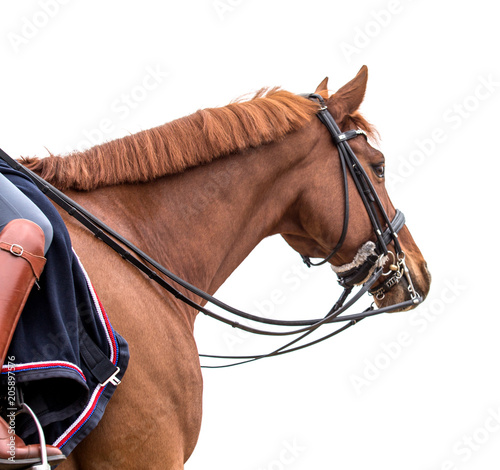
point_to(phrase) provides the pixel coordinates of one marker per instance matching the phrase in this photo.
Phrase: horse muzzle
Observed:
(400, 283)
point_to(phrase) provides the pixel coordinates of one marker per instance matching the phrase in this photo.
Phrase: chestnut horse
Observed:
(198, 194)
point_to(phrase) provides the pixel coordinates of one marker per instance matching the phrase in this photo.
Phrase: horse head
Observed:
(314, 227)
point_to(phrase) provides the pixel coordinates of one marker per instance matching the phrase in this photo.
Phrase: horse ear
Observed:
(351, 95)
(323, 86)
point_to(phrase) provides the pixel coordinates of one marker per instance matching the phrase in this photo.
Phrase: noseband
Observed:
(371, 255)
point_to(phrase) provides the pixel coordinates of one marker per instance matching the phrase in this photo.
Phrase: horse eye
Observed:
(379, 170)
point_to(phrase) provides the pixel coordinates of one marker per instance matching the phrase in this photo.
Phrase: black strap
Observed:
(358, 274)
(363, 184)
(97, 362)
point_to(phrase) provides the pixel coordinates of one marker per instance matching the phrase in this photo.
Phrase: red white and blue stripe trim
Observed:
(113, 356)
(29, 366)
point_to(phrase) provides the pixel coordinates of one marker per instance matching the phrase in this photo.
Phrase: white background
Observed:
(418, 391)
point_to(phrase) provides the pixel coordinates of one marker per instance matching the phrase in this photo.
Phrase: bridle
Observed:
(374, 254)
(365, 272)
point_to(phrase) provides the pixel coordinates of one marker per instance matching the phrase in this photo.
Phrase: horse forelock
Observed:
(358, 121)
(187, 142)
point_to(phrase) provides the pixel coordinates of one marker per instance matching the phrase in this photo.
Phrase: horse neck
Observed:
(201, 224)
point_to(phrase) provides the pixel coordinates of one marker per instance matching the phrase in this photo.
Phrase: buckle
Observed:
(16, 250)
(113, 379)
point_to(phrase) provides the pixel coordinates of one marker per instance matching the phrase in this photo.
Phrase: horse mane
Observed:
(178, 145)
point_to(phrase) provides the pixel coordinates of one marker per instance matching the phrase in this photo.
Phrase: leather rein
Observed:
(366, 272)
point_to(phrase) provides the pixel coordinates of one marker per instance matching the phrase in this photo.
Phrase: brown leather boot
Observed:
(21, 264)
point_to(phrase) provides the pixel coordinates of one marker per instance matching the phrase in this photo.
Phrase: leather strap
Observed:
(36, 262)
(358, 274)
(396, 225)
